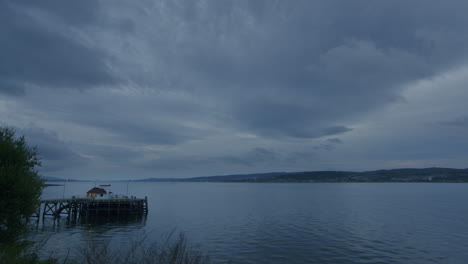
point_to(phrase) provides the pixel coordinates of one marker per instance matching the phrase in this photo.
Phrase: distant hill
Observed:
(55, 179)
(394, 175)
(157, 180)
(238, 177)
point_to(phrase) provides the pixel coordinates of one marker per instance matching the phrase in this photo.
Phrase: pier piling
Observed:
(83, 207)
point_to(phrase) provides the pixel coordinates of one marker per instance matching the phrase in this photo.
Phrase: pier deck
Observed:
(74, 207)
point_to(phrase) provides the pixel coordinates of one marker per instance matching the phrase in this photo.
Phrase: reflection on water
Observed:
(67, 235)
(288, 223)
(91, 222)
(111, 221)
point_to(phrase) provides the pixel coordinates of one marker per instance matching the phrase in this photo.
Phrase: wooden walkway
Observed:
(97, 207)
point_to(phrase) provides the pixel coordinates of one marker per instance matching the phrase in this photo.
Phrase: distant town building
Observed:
(96, 192)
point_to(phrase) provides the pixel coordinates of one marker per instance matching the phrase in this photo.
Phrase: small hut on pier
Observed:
(96, 192)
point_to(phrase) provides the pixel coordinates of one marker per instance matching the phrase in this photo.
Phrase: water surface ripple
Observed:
(288, 223)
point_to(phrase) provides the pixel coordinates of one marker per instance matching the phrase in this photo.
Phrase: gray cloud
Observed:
(35, 53)
(331, 143)
(324, 147)
(296, 70)
(244, 162)
(145, 132)
(251, 158)
(161, 84)
(76, 13)
(335, 140)
(123, 156)
(461, 122)
(55, 154)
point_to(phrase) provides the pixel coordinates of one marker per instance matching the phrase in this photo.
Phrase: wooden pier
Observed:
(78, 207)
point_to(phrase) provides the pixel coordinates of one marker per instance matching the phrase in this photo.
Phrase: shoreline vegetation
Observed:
(171, 249)
(428, 175)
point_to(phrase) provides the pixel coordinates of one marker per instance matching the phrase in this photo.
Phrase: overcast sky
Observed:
(136, 89)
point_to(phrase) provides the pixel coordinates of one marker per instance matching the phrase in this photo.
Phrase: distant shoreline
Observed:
(52, 184)
(426, 175)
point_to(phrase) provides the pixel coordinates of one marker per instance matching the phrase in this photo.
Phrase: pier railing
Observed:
(75, 207)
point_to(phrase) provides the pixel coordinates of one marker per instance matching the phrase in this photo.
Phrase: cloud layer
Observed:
(177, 88)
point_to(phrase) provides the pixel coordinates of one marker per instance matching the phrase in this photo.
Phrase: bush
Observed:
(20, 190)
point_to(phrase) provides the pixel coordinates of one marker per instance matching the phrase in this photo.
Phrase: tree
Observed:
(20, 186)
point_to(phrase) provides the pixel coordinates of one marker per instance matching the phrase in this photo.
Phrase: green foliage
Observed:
(22, 253)
(20, 186)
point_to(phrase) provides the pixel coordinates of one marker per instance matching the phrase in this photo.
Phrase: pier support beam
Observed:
(84, 207)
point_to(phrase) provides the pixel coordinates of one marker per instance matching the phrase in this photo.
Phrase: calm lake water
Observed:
(287, 223)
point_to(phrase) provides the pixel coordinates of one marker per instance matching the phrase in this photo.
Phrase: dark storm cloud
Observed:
(327, 147)
(300, 69)
(295, 77)
(146, 132)
(330, 143)
(461, 122)
(35, 52)
(77, 13)
(335, 140)
(138, 120)
(54, 153)
(285, 119)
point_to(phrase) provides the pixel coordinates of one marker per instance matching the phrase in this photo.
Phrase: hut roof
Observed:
(97, 190)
